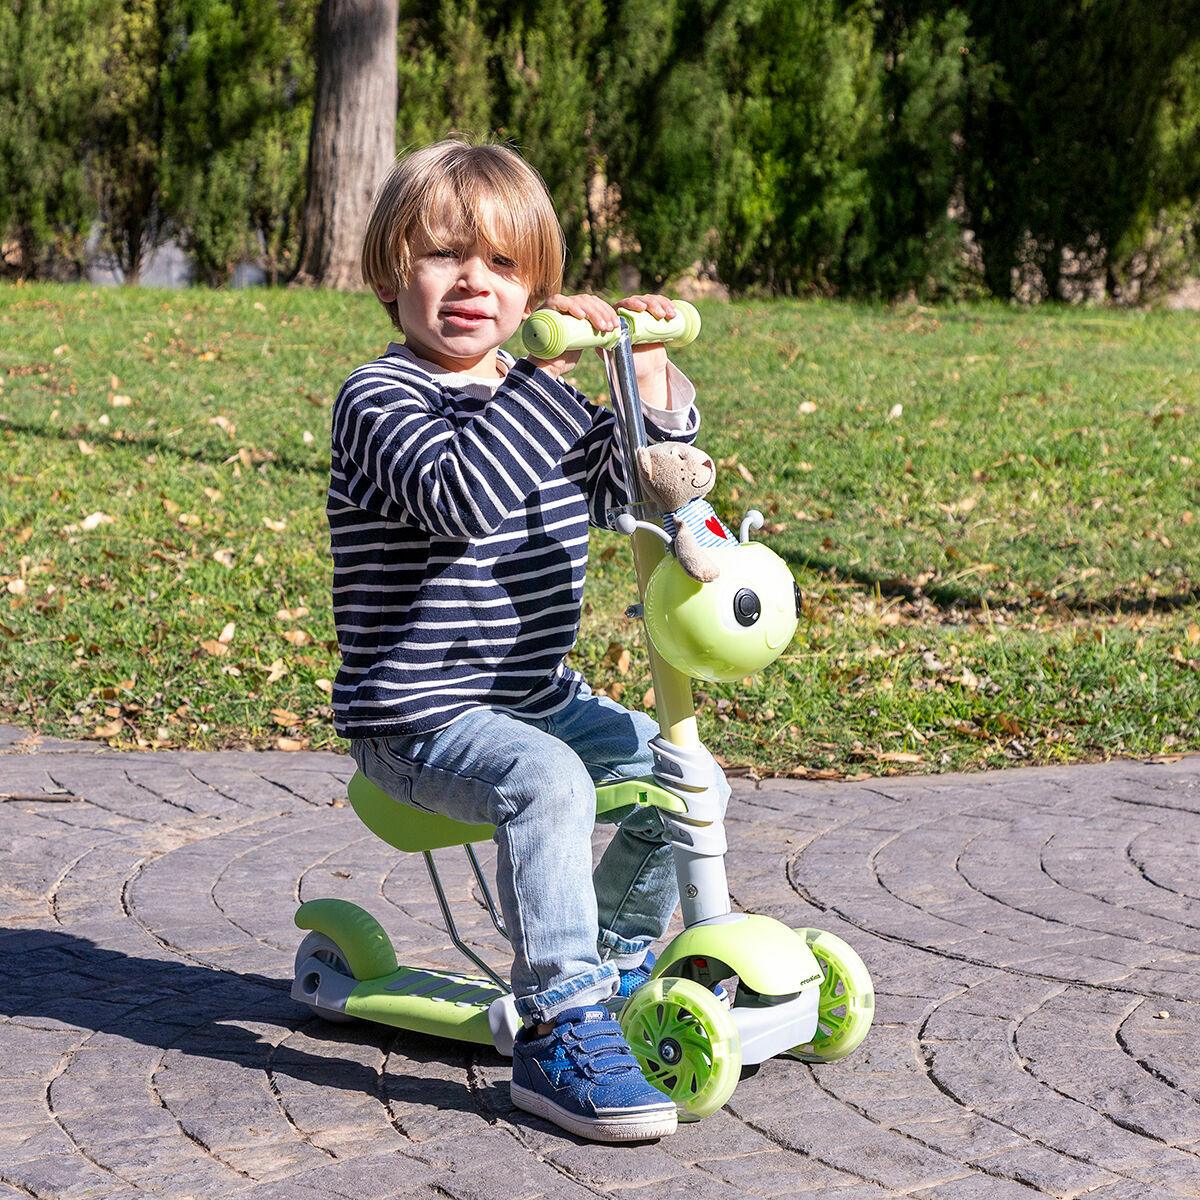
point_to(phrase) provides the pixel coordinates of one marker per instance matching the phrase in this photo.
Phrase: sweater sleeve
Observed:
(597, 456)
(455, 480)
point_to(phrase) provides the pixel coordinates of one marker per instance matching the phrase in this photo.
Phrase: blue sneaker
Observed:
(637, 976)
(582, 1076)
(633, 979)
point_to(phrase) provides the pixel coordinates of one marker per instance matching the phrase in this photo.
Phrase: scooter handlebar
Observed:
(547, 334)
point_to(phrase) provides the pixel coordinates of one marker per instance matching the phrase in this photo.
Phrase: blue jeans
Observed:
(534, 779)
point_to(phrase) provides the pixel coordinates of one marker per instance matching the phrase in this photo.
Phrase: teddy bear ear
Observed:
(645, 461)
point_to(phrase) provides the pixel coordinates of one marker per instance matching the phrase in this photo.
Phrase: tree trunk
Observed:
(353, 137)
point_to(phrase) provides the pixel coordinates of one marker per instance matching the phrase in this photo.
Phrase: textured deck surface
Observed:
(1034, 936)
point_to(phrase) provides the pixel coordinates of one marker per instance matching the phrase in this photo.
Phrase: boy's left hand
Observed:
(650, 358)
(657, 306)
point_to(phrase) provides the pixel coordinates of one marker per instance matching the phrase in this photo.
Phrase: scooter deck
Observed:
(440, 1003)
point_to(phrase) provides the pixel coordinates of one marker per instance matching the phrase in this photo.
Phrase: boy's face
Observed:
(459, 303)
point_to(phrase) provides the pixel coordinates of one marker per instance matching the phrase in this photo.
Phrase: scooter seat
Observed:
(406, 827)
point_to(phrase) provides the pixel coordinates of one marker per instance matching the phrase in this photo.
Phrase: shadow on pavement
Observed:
(54, 976)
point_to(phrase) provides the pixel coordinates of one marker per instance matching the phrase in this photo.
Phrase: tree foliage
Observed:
(871, 147)
(50, 82)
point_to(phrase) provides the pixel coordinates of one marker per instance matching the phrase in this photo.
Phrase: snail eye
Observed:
(746, 607)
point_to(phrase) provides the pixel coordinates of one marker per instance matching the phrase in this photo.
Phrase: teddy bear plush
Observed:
(677, 477)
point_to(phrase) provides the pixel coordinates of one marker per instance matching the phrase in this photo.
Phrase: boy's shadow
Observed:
(51, 975)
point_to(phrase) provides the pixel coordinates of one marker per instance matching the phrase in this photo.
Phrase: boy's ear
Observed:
(386, 296)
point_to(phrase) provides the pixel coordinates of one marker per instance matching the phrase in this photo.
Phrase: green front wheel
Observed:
(686, 1043)
(847, 1005)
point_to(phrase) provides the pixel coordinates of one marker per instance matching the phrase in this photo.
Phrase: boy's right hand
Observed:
(600, 313)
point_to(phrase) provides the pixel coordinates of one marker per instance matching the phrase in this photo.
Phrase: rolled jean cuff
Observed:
(623, 953)
(592, 987)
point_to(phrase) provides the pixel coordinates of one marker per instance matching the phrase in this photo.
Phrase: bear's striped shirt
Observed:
(699, 516)
(458, 514)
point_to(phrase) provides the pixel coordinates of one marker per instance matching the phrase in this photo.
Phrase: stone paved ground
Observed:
(1034, 935)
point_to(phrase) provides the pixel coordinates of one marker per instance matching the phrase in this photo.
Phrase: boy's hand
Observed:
(600, 313)
(650, 358)
(657, 306)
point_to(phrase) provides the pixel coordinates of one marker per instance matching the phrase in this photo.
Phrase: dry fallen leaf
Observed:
(226, 634)
(807, 407)
(120, 401)
(284, 716)
(17, 587)
(900, 756)
(108, 730)
(224, 424)
(292, 614)
(274, 526)
(895, 411)
(95, 520)
(297, 637)
(224, 557)
(86, 448)
(291, 744)
(277, 671)
(324, 685)
(213, 647)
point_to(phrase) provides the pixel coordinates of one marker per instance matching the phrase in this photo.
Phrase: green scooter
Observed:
(803, 993)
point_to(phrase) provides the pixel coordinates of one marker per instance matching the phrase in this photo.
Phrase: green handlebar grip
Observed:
(547, 334)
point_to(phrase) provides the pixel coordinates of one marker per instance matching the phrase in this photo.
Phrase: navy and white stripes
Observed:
(458, 518)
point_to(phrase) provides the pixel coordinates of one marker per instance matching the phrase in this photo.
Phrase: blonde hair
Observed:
(456, 190)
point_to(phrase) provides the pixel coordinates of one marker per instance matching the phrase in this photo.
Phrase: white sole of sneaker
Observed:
(626, 1126)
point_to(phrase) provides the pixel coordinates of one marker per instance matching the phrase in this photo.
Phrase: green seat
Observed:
(406, 827)
(413, 829)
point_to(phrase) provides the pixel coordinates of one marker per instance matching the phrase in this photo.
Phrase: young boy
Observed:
(463, 484)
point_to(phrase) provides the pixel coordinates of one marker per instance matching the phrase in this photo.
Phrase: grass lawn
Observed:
(994, 516)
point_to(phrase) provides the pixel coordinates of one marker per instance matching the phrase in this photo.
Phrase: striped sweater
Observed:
(458, 514)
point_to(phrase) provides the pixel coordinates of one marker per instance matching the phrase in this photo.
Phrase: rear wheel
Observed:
(327, 952)
(847, 1005)
(686, 1043)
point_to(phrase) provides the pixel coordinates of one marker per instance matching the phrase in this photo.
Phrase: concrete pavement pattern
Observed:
(1034, 936)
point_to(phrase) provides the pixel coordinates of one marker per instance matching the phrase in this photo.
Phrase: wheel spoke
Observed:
(695, 1041)
(655, 1077)
(698, 1066)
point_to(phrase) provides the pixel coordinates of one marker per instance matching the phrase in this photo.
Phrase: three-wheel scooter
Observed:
(802, 993)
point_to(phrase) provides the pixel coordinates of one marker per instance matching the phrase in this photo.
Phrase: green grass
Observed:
(994, 516)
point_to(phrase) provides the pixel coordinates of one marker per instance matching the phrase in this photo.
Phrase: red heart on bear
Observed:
(714, 526)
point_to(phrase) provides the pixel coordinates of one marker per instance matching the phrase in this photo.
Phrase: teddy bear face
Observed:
(676, 472)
